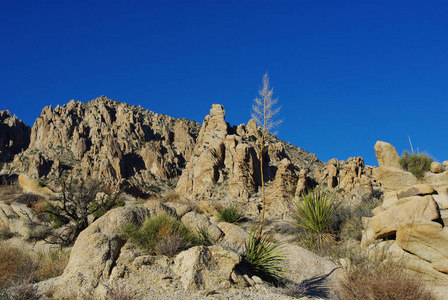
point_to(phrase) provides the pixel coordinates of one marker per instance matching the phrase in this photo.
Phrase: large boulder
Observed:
(96, 249)
(305, 266)
(206, 268)
(386, 223)
(387, 155)
(427, 240)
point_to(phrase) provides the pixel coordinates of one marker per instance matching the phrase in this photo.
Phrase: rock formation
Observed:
(410, 225)
(107, 140)
(226, 164)
(14, 136)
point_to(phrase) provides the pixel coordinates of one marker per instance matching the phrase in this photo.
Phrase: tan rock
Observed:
(30, 185)
(428, 240)
(96, 249)
(436, 167)
(304, 265)
(387, 155)
(390, 199)
(393, 178)
(445, 165)
(206, 268)
(234, 236)
(442, 201)
(387, 222)
(415, 190)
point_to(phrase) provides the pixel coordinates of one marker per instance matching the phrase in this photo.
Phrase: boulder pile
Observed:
(411, 224)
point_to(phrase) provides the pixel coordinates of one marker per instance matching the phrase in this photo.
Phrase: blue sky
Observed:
(347, 73)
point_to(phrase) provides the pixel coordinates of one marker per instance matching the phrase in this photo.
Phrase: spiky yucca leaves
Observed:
(263, 256)
(315, 214)
(230, 214)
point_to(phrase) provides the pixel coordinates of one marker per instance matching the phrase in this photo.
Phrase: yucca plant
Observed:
(263, 256)
(315, 214)
(230, 214)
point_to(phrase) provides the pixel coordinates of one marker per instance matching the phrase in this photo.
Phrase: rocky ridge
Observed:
(107, 140)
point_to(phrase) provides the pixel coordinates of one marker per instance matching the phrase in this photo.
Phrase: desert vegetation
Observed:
(20, 269)
(416, 163)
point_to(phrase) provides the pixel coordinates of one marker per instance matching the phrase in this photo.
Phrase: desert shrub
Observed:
(295, 290)
(51, 263)
(380, 282)
(203, 237)
(262, 257)
(417, 164)
(28, 199)
(230, 214)
(24, 289)
(348, 219)
(79, 199)
(161, 234)
(315, 213)
(16, 266)
(121, 292)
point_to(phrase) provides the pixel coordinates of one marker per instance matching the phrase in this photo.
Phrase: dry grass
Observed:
(51, 263)
(18, 267)
(371, 281)
(15, 266)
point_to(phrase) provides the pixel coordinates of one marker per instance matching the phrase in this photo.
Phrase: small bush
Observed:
(203, 237)
(263, 256)
(381, 282)
(417, 164)
(315, 213)
(23, 289)
(121, 292)
(230, 214)
(51, 263)
(28, 199)
(161, 234)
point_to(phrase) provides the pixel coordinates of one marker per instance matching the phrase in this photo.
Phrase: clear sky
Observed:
(347, 73)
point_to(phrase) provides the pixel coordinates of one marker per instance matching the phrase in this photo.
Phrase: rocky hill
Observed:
(116, 142)
(107, 140)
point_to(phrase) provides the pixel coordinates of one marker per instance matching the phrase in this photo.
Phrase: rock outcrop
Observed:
(226, 164)
(107, 140)
(14, 136)
(410, 225)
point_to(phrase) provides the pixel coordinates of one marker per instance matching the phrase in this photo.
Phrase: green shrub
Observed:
(263, 256)
(230, 214)
(417, 164)
(315, 213)
(161, 234)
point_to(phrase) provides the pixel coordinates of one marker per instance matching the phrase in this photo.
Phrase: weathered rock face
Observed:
(349, 177)
(107, 140)
(206, 268)
(14, 136)
(230, 155)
